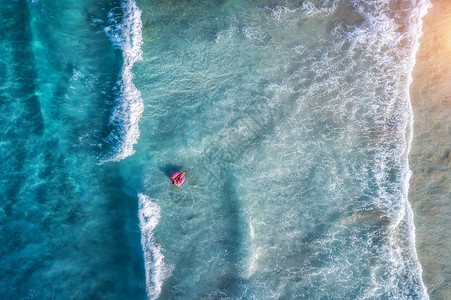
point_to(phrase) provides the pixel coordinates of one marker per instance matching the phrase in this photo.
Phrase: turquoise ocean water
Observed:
(293, 119)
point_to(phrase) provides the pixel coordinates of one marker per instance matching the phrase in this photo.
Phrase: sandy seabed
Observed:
(430, 156)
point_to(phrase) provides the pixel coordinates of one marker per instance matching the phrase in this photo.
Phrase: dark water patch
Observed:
(18, 36)
(76, 233)
(23, 228)
(215, 256)
(84, 65)
(346, 18)
(65, 231)
(3, 76)
(230, 281)
(169, 169)
(12, 179)
(122, 241)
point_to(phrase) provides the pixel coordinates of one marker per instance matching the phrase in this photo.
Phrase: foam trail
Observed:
(156, 272)
(404, 218)
(416, 18)
(128, 112)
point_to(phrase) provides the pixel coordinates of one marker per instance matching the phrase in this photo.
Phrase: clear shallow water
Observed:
(293, 119)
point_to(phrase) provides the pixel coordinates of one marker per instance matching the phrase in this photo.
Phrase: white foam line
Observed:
(415, 17)
(130, 108)
(156, 272)
(253, 250)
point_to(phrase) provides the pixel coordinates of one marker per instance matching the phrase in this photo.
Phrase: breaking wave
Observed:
(156, 272)
(126, 35)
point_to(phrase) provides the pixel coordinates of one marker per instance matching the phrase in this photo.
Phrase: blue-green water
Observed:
(293, 119)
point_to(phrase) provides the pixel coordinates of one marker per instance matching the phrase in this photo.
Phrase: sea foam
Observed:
(127, 36)
(400, 248)
(376, 50)
(156, 271)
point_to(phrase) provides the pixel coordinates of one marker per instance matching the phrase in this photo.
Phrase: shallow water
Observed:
(294, 122)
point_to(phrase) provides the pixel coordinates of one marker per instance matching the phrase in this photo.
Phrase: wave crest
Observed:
(128, 111)
(156, 271)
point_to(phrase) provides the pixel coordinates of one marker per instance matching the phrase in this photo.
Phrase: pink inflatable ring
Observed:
(178, 178)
